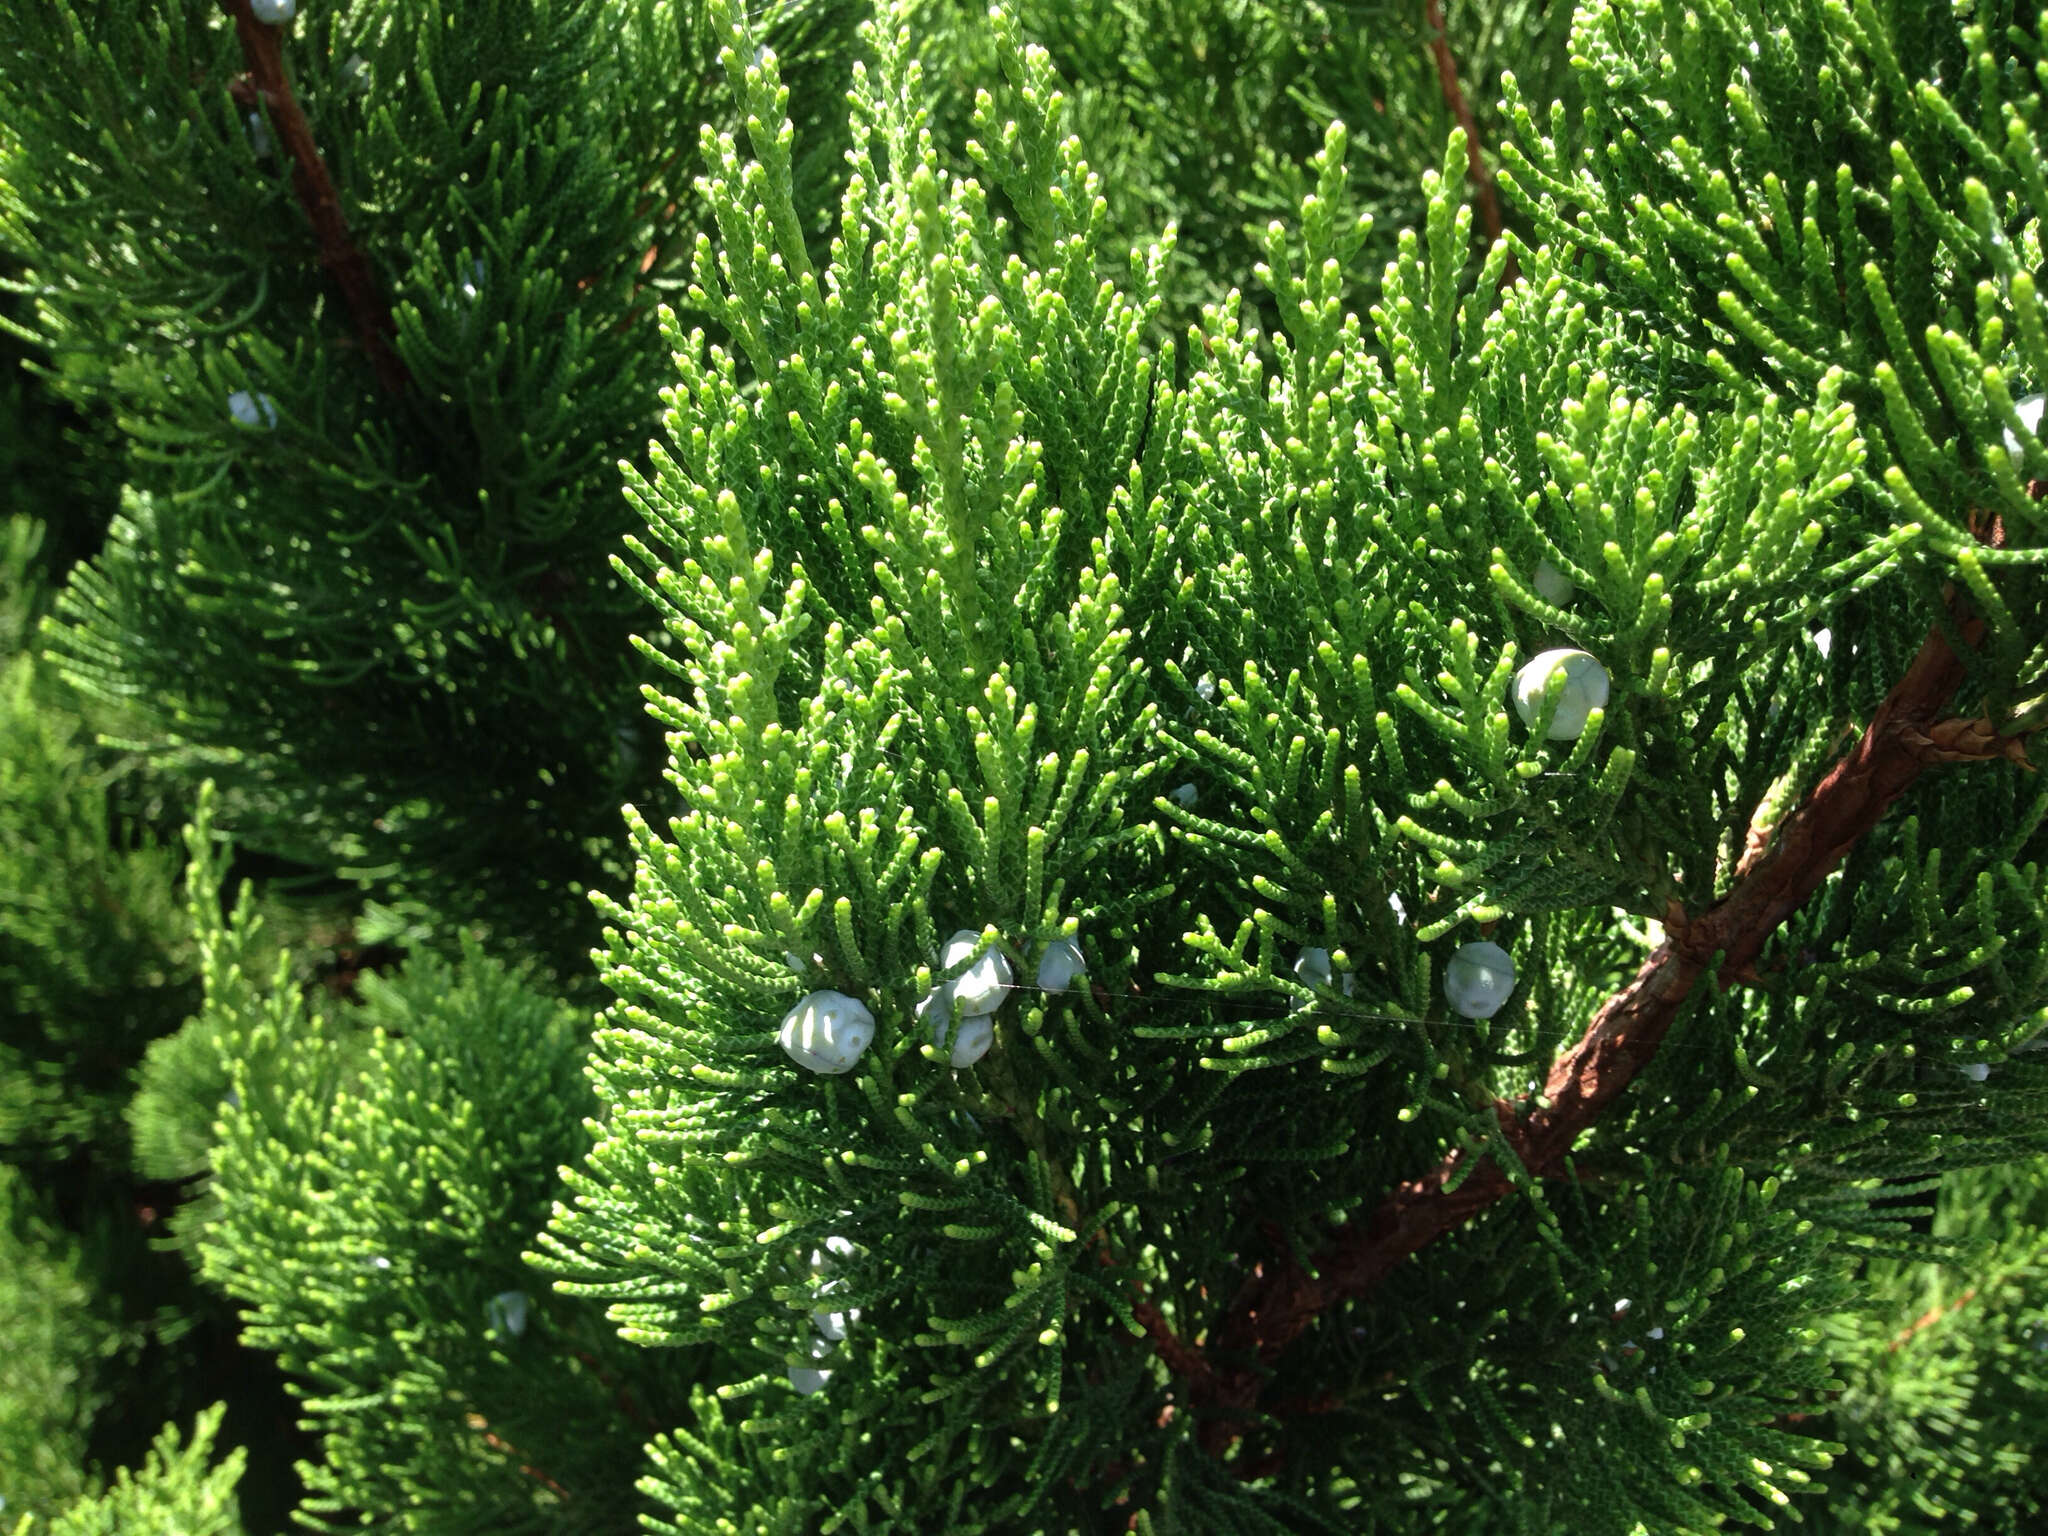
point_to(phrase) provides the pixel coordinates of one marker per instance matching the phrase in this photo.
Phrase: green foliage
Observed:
(1361, 724)
(983, 612)
(59, 1335)
(904, 649)
(91, 963)
(384, 624)
(61, 468)
(934, 528)
(1839, 197)
(176, 1493)
(1941, 1410)
(1205, 114)
(375, 1173)
(92, 1326)
(95, 964)
(1629, 1350)
(248, 1022)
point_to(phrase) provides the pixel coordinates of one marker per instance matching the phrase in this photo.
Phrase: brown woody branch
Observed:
(1454, 98)
(1928, 1319)
(267, 86)
(497, 1443)
(1180, 1357)
(1282, 1297)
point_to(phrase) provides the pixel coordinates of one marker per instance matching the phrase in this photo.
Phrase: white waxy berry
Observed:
(2029, 412)
(1552, 585)
(809, 1379)
(827, 1032)
(355, 73)
(1977, 1071)
(977, 1032)
(1823, 641)
(980, 988)
(833, 1325)
(1184, 797)
(970, 1042)
(276, 12)
(259, 134)
(1059, 965)
(252, 410)
(1585, 690)
(1205, 688)
(835, 1248)
(1478, 979)
(1312, 968)
(507, 1312)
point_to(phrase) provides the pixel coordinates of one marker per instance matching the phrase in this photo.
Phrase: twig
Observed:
(1180, 1357)
(1454, 98)
(1282, 1298)
(1928, 1319)
(267, 85)
(492, 1439)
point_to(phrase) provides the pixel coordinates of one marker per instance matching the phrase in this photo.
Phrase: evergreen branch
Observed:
(1928, 1319)
(1454, 98)
(1179, 1356)
(492, 1439)
(1280, 1298)
(267, 85)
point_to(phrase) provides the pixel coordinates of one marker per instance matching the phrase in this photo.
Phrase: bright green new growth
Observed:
(373, 1175)
(964, 585)
(1897, 253)
(176, 1493)
(904, 559)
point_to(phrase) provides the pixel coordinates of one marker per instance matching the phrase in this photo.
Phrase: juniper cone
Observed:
(1312, 850)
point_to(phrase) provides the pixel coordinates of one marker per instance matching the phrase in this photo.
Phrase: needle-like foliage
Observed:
(986, 622)
(1334, 853)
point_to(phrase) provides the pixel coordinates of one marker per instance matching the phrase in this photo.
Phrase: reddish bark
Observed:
(1454, 98)
(266, 85)
(1928, 1319)
(1282, 1298)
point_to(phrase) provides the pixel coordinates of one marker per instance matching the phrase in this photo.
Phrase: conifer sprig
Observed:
(269, 85)
(958, 588)
(896, 527)
(1900, 742)
(1831, 190)
(1454, 97)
